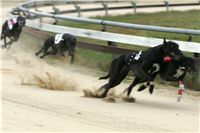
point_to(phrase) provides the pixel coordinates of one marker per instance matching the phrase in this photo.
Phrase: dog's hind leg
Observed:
(117, 74)
(105, 77)
(133, 84)
(114, 81)
(124, 72)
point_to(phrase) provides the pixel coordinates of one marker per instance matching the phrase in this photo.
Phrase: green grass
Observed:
(93, 59)
(178, 19)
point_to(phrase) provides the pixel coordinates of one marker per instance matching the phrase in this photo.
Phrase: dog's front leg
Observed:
(9, 45)
(180, 90)
(5, 44)
(52, 52)
(72, 59)
(44, 49)
(146, 65)
(143, 86)
(45, 54)
(151, 87)
(37, 53)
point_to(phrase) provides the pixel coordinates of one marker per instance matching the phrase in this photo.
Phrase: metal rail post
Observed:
(167, 5)
(78, 9)
(105, 6)
(35, 6)
(134, 7)
(112, 23)
(109, 43)
(56, 11)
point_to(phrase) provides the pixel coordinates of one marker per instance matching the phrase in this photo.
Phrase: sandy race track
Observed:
(28, 107)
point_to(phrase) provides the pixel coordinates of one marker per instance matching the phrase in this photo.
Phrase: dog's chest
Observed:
(133, 58)
(179, 72)
(11, 23)
(58, 38)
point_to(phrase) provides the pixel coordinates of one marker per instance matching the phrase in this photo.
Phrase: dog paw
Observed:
(88, 93)
(141, 88)
(100, 93)
(3, 46)
(109, 99)
(151, 88)
(128, 99)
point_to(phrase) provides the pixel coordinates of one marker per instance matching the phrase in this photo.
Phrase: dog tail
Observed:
(105, 77)
(113, 65)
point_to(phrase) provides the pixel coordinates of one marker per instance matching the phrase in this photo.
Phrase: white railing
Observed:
(113, 37)
(106, 36)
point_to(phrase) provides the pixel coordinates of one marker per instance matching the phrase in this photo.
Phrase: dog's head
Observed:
(71, 44)
(172, 50)
(21, 21)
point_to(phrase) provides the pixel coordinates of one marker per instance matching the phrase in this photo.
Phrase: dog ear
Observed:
(164, 41)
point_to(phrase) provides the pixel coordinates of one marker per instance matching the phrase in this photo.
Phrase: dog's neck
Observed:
(159, 53)
(16, 26)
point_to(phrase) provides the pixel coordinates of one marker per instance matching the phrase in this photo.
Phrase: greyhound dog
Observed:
(59, 43)
(174, 71)
(12, 29)
(140, 63)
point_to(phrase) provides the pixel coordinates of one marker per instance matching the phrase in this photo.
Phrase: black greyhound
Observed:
(12, 29)
(59, 43)
(140, 63)
(174, 71)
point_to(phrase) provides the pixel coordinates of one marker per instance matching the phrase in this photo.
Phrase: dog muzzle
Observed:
(167, 59)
